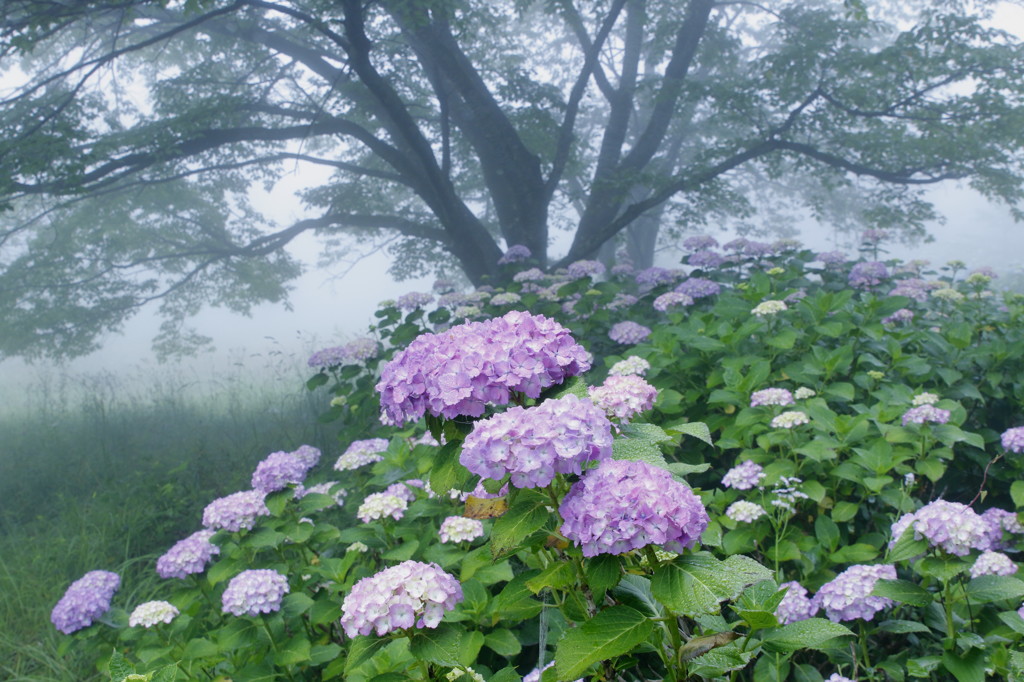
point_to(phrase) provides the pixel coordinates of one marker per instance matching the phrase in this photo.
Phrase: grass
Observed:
(105, 472)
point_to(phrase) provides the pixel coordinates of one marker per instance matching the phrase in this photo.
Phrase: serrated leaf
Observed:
(635, 450)
(119, 667)
(296, 604)
(557, 575)
(277, 501)
(446, 472)
(361, 650)
(969, 667)
(293, 652)
(603, 572)
(683, 469)
(695, 584)
(907, 547)
(503, 642)
(698, 646)
(902, 591)
(526, 515)
(698, 430)
(444, 645)
(612, 632)
(812, 633)
(989, 588)
(648, 432)
(1017, 493)
(903, 627)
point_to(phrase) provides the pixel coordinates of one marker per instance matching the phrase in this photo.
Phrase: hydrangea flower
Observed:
(705, 259)
(789, 420)
(471, 365)
(378, 505)
(951, 526)
(253, 592)
(1013, 440)
(325, 358)
(700, 241)
(517, 253)
(899, 317)
(188, 556)
(84, 601)
(769, 308)
(924, 399)
(506, 298)
(836, 677)
(628, 332)
(623, 270)
(999, 521)
(925, 414)
(277, 471)
(326, 488)
(948, 294)
(411, 594)
(235, 511)
(622, 300)
(624, 397)
(414, 300)
(796, 605)
(832, 257)
(460, 529)
(737, 244)
(533, 444)
(585, 268)
(362, 452)
(671, 299)
(867, 274)
(634, 364)
(803, 393)
(757, 249)
(848, 595)
(150, 613)
(743, 476)
(771, 396)
(624, 505)
(531, 275)
(743, 511)
(308, 455)
(698, 287)
(654, 276)
(993, 563)
(361, 349)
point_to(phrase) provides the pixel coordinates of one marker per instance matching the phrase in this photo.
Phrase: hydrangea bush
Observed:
(766, 464)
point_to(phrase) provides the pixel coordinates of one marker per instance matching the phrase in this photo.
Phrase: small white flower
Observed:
(152, 612)
(769, 308)
(925, 399)
(788, 420)
(803, 393)
(744, 511)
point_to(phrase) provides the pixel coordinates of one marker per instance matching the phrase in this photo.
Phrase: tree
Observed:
(140, 128)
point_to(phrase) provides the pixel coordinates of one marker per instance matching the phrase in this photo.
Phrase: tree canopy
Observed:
(137, 131)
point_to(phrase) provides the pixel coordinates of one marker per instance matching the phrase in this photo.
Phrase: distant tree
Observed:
(138, 130)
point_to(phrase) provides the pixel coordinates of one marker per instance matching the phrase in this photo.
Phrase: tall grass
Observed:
(102, 471)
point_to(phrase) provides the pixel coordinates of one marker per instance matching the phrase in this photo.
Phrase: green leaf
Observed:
(698, 430)
(812, 633)
(695, 584)
(295, 651)
(277, 501)
(683, 469)
(515, 602)
(902, 627)
(324, 611)
(119, 667)
(526, 515)
(648, 432)
(610, 633)
(445, 645)
(902, 591)
(317, 380)
(557, 575)
(296, 604)
(906, 547)
(503, 642)
(1017, 493)
(827, 532)
(989, 588)
(857, 553)
(603, 572)
(844, 511)
(324, 653)
(446, 472)
(361, 650)
(943, 568)
(634, 450)
(201, 648)
(969, 667)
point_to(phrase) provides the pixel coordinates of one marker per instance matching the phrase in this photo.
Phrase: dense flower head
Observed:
(150, 613)
(453, 299)
(648, 278)
(623, 270)
(700, 241)
(622, 300)
(461, 370)
(253, 592)
(404, 489)
(464, 312)
(796, 605)
(671, 299)
(634, 364)
(308, 455)
(517, 253)
(379, 505)
(84, 601)
(361, 349)
(360, 453)
(188, 556)
(789, 420)
(277, 471)
(899, 317)
(585, 268)
(867, 274)
(534, 443)
(913, 287)
(786, 244)
(235, 511)
(1013, 440)
(624, 397)
(803, 393)
(506, 298)
(698, 287)
(768, 308)
(999, 522)
(443, 286)
(531, 275)
(771, 396)
(625, 505)
(993, 563)
(705, 259)
(414, 300)
(832, 257)
(757, 249)
(948, 294)
(927, 413)
(924, 398)
(744, 511)
(628, 332)
(460, 529)
(848, 595)
(411, 594)
(329, 488)
(328, 357)
(950, 526)
(743, 476)
(737, 244)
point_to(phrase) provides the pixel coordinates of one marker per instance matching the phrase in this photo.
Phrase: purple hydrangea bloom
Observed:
(411, 594)
(380, 505)
(463, 369)
(453, 300)
(506, 298)
(625, 505)
(950, 526)
(585, 268)
(671, 299)
(84, 601)
(899, 317)
(757, 249)
(253, 592)
(925, 414)
(771, 396)
(235, 511)
(653, 276)
(832, 257)
(623, 270)
(628, 332)
(782, 245)
(443, 286)
(700, 241)
(187, 556)
(278, 471)
(993, 563)
(737, 244)
(998, 522)
(914, 288)
(403, 490)
(1013, 440)
(517, 253)
(867, 274)
(848, 595)
(361, 349)
(624, 397)
(414, 300)
(698, 287)
(328, 357)
(531, 275)
(360, 453)
(796, 605)
(705, 259)
(622, 300)
(743, 476)
(534, 443)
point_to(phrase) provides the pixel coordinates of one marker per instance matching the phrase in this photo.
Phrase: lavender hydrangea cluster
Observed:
(360, 453)
(625, 505)
(585, 268)
(698, 287)
(308, 455)
(534, 443)
(796, 605)
(671, 299)
(463, 369)
(517, 253)
(380, 505)
(531, 275)
(411, 594)
(1013, 440)
(1000, 522)
(357, 350)
(506, 298)
(628, 332)
(84, 601)
(950, 526)
(831, 257)
(901, 316)
(624, 397)
(361, 349)
(771, 396)
(152, 613)
(848, 595)
(744, 511)
(651, 277)
(414, 300)
(743, 476)
(188, 556)
(757, 249)
(277, 471)
(925, 414)
(235, 511)
(634, 364)
(253, 592)
(993, 563)
(460, 529)
(705, 259)
(867, 274)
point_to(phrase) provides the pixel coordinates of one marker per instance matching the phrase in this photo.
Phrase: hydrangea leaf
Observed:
(503, 642)
(636, 450)
(119, 667)
(527, 514)
(989, 588)
(557, 575)
(610, 633)
(361, 650)
(692, 585)
(902, 591)
(647, 432)
(697, 430)
(965, 667)
(295, 651)
(813, 633)
(446, 472)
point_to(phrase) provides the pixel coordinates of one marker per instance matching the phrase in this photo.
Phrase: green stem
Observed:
(273, 644)
(947, 605)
